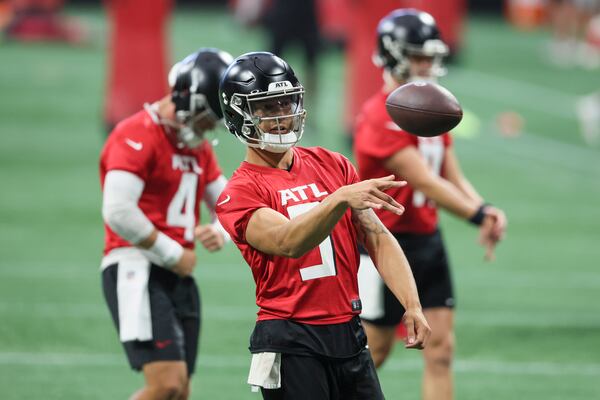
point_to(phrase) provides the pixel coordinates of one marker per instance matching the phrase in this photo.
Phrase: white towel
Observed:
(135, 322)
(265, 371)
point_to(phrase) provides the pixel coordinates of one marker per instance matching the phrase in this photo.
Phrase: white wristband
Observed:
(167, 249)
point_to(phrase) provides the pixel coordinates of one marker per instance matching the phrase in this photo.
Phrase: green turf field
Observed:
(528, 325)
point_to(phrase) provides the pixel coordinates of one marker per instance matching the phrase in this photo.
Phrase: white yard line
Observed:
(464, 317)
(514, 93)
(496, 367)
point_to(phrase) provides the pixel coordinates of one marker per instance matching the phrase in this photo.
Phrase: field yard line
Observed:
(550, 280)
(217, 312)
(498, 367)
(537, 148)
(225, 272)
(54, 310)
(514, 92)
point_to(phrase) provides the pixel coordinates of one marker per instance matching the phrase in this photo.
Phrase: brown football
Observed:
(424, 108)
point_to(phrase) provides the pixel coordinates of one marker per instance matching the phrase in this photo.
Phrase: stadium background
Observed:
(528, 325)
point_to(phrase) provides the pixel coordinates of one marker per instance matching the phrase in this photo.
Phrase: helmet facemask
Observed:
(434, 49)
(273, 120)
(191, 127)
(401, 53)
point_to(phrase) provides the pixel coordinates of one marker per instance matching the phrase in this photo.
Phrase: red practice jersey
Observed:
(378, 138)
(174, 179)
(321, 286)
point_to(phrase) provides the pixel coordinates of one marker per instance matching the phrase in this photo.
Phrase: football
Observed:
(424, 108)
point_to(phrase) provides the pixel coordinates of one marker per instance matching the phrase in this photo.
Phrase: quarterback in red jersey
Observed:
(297, 214)
(409, 48)
(155, 168)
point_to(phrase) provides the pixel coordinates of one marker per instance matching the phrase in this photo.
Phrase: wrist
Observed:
(413, 305)
(167, 250)
(479, 216)
(338, 198)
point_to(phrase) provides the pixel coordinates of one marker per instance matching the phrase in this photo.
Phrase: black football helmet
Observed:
(194, 83)
(405, 32)
(260, 90)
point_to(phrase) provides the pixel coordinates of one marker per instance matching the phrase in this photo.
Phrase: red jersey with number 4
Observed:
(377, 138)
(321, 286)
(174, 179)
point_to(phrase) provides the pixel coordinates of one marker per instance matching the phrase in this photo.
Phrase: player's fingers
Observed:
(386, 198)
(209, 241)
(199, 229)
(411, 335)
(500, 227)
(396, 210)
(399, 210)
(373, 205)
(205, 234)
(489, 252)
(385, 185)
(213, 240)
(213, 247)
(423, 333)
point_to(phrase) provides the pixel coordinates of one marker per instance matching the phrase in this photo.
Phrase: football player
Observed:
(297, 214)
(409, 48)
(155, 168)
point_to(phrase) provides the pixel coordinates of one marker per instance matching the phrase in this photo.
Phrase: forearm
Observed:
(120, 211)
(211, 194)
(306, 231)
(122, 214)
(466, 188)
(388, 257)
(450, 197)
(271, 232)
(453, 173)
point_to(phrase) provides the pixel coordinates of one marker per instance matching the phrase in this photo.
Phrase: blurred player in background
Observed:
(40, 21)
(569, 21)
(288, 23)
(154, 168)
(297, 214)
(363, 18)
(409, 48)
(138, 56)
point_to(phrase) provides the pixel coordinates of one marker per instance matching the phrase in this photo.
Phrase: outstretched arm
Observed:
(409, 164)
(388, 257)
(454, 174)
(462, 200)
(273, 233)
(493, 222)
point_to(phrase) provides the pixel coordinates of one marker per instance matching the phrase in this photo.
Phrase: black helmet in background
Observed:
(408, 32)
(194, 83)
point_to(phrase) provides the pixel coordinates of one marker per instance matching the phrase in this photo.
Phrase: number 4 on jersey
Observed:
(181, 209)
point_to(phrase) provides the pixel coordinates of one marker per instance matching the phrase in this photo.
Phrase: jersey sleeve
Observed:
(213, 171)
(235, 206)
(131, 152)
(350, 174)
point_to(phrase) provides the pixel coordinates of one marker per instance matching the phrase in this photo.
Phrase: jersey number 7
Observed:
(327, 265)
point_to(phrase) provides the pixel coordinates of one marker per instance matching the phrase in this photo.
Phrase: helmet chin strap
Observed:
(190, 138)
(286, 142)
(185, 135)
(430, 79)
